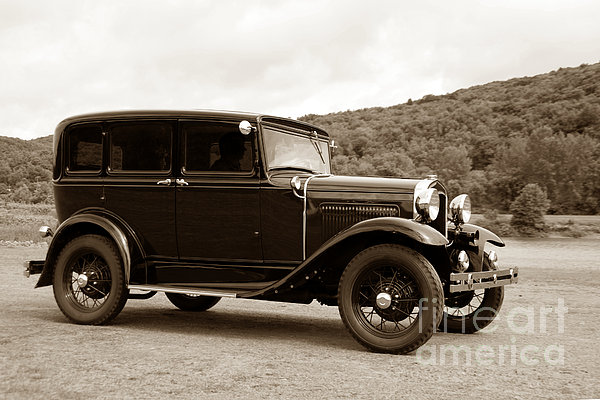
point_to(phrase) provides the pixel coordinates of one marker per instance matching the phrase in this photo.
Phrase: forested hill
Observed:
(488, 141)
(26, 170)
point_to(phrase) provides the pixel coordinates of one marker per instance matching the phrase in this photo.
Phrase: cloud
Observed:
(286, 58)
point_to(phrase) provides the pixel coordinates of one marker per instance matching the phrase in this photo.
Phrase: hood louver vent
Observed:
(337, 217)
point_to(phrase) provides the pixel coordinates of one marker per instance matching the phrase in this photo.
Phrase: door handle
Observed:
(181, 182)
(164, 182)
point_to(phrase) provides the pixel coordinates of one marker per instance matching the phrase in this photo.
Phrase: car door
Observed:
(139, 186)
(217, 206)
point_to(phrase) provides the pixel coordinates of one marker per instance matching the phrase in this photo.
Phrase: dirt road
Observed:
(250, 349)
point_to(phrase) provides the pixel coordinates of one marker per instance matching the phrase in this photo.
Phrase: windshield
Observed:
(290, 150)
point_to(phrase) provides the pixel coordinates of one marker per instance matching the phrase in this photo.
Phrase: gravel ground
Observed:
(251, 349)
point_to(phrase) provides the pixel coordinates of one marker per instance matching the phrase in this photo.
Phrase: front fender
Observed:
(405, 228)
(483, 235)
(473, 238)
(87, 221)
(416, 231)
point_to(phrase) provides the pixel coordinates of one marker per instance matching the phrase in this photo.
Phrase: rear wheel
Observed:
(390, 299)
(192, 302)
(89, 285)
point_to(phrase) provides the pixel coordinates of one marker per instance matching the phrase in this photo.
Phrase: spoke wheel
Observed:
(89, 287)
(469, 312)
(386, 299)
(390, 299)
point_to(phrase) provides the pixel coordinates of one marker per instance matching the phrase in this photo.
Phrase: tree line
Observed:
(489, 141)
(26, 170)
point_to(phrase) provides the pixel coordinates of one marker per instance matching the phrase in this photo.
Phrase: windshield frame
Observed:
(311, 137)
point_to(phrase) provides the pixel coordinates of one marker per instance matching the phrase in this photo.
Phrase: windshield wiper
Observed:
(292, 168)
(315, 142)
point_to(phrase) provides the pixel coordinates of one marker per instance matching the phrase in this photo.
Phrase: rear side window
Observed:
(215, 147)
(141, 146)
(84, 147)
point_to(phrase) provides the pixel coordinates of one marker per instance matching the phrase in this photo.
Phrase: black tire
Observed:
(89, 284)
(470, 312)
(187, 302)
(411, 299)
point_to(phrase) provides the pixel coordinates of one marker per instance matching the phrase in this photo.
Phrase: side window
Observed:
(84, 148)
(141, 146)
(215, 146)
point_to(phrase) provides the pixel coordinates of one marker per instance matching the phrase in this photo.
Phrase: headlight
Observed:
(462, 261)
(493, 258)
(428, 204)
(460, 209)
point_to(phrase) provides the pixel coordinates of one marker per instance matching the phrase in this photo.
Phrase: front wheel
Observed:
(88, 283)
(390, 299)
(192, 302)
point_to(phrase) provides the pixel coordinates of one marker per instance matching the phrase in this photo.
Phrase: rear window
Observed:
(141, 146)
(84, 147)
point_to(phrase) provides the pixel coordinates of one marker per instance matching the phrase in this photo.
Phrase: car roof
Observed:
(108, 115)
(216, 114)
(176, 114)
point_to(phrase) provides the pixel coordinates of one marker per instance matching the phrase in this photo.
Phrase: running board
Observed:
(172, 289)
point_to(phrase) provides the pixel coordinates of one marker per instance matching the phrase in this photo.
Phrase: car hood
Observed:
(361, 184)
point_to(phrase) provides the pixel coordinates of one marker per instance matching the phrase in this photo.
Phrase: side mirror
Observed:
(296, 184)
(245, 127)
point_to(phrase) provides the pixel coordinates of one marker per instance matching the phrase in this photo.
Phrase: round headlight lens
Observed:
(428, 204)
(493, 258)
(462, 261)
(460, 209)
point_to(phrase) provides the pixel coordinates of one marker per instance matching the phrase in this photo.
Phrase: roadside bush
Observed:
(491, 214)
(528, 210)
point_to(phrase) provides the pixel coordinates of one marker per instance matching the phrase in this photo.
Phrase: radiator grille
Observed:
(337, 217)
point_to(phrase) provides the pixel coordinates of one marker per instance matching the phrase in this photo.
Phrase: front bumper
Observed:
(466, 281)
(33, 268)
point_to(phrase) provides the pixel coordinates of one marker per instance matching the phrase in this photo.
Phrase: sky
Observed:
(288, 58)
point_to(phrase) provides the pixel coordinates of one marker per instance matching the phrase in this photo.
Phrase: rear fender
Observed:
(92, 221)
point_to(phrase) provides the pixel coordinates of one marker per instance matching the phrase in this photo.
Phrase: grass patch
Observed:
(20, 222)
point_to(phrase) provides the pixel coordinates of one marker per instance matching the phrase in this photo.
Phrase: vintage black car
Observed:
(203, 205)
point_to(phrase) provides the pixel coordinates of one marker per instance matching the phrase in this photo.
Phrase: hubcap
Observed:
(384, 300)
(82, 280)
